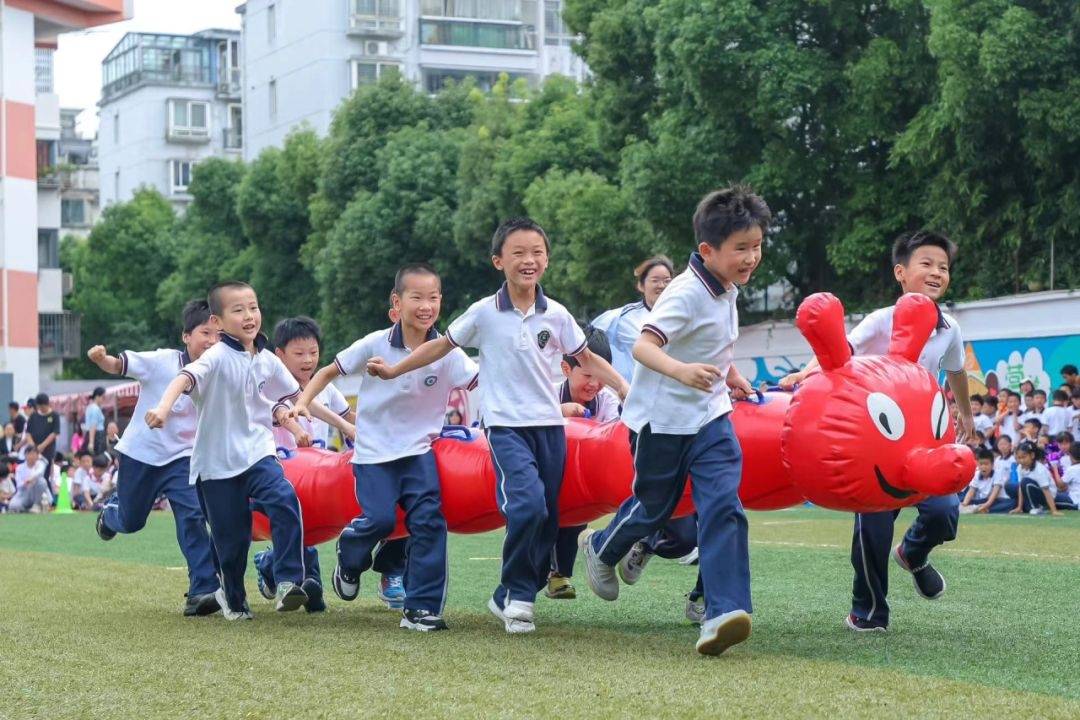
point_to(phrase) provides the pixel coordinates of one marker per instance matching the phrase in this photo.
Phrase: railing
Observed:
(375, 26)
(176, 76)
(58, 335)
(229, 84)
(48, 178)
(188, 134)
(232, 139)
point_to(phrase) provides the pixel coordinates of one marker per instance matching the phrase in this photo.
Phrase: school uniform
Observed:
(1032, 483)
(984, 425)
(623, 327)
(31, 486)
(1056, 420)
(234, 461)
(984, 485)
(936, 523)
(393, 463)
(1070, 499)
(1033, 415)
(1009, 426)
(523, 424)
(676, 429)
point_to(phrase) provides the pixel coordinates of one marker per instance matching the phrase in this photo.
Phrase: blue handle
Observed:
(456, 432)
(284, 453)
(319, 443)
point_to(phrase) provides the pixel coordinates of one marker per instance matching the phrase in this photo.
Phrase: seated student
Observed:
(1031, 429)
(1065, 443)
(1068, 484)
(1036, 495)
(101, 483)
(81, 496)
(1007, 420)
(7, 487)
(986, 493)
(392, 459)
(1005, 465)
(31, 488)
(1058, 416)
(581, 395)
(983, 423)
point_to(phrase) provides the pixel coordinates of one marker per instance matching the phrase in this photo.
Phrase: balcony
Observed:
(58, 335)
(376, 19)
(188, 134)
(232, 139)
(229, 84)
(48, 178)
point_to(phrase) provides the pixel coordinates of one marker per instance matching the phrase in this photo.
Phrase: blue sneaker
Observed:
(392, 591)
(267, 587)
(315, 602)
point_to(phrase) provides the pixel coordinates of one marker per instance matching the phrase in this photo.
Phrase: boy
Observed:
(1070, 376)
(31, 484)
(152, 464)
(520, 332)
(81, 496)
(922, 262)
(42, 429)
(1057, 417)
(1034, 404)
(1031, 429)
(983, 423)
(1007, 421)
(392, 459)
(678, 412)
(234, 386)
(986, 493)
(1068, 484)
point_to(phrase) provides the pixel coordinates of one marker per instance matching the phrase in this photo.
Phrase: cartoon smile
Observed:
(890, 489)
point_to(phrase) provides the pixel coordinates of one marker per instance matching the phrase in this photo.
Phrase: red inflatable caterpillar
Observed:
(864, 434)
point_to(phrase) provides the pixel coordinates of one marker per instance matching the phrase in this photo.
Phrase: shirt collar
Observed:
(260, 342)
(710, 281)
(942, 323)
(185, 359)
(397, 336)
(503, 301)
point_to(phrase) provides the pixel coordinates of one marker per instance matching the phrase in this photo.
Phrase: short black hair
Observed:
(102, 461)
(98, 392)
(213, 296)
(722, 213)
(195, 313)
(300, 327)
(1061, 396)
(418, 268)
(32, 448)
(906, 245)
(1075, 393)
(13, 405)
(596, 340)
(983, 454)
(1029, 395)
(976, 397)
(1065, 436)
(1034, 421)
(1039, 392)
(1004, 437)
(31, 401)
(41, 399)
(512, 225)
(84, 453)
(1069, 369)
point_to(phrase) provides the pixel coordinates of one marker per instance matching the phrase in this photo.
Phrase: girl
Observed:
(1035, 482)
(623, 325)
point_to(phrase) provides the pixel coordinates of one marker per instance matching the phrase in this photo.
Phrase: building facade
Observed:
(79, 178)
(302, 59)
(167, 102)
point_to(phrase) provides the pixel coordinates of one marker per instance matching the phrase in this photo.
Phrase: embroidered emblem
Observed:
(542, 338)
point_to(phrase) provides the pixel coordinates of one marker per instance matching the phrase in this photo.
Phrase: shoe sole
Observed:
(392, 604)
(627, 577)
(336, 584)
(570, 594)
(292, 600)
(226, 612)
(419, 627)
(102, 531)
(733, 632)
(899, 560)
(208, 605)
(513, 627)
(585, 546)
(855, 628)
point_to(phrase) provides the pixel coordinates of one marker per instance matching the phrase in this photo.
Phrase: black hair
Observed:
(906, 245)
(1039, 392)
(419, 268)
(512, 225)
(1065, 436)
(102, 461)
(596, 341)
(13, 405)
(1069, 369)
(31, 401)
(1075, 393)
(983, 454)
(84, 453)
(1034, 421)
(195, 313)
(1029, 395)
(1030, 446)
(32, 448)
(1061, 396)
(300, 327)
(41, 399)
(722, 213)
(976, 397)
(98, 392)
(213, 296)
(4, 470)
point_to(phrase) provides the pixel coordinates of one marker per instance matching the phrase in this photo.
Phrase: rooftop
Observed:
(141, 59)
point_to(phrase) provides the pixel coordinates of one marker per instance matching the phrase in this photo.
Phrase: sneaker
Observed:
(1037, 511)
(723, 631)
(690, 558)
(315, 602)
(967, 509)
(422, 620)
(602, 578)
(634, 562)
(695, 610)
(392, 591)
(227, 613)
(559, 588)
(928, 582)
(517, 617)
(200, 605)
(289, 596)
(267, 588)
(857, 624)
(346, 586)
(103, 531)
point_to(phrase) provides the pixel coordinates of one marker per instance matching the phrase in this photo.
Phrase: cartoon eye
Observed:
(886, 414)
(939, 415)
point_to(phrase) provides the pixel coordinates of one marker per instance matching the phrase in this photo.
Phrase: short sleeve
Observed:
(353, 359)
(335, 401)
(572, 339)
(871, 336)
(953, 359)
(138, 365)
(280, 385)
(669, 319)
(199, 372)
(461, 369)
(605, 320)
(464, 330)
(607, 405)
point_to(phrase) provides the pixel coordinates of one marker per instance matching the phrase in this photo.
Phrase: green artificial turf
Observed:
(93, 630)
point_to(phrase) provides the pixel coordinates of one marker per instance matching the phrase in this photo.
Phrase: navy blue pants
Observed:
(1001, 505)
(564, 553)
(676, 539)
(1034, 497)
(228, 503)
(661, 463)
(528, 476)
(872, 542)
(413, 483)
(389, 560)
(138, 486)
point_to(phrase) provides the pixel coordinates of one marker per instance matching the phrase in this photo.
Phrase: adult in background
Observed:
(16, 418)
(94, 422)
(622, 325)
(42, 429)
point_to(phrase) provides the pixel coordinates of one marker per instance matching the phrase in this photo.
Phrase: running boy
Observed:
(519, 332)
(153, 464)
(392, 460)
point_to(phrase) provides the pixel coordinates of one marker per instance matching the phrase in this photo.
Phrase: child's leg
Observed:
(871, 543)
(565, 550)
(549, 447)
(676, 539)
(229, 516)
(1002, 505)
(191, 535)
(723, 544)
(378, 487)
(1032, 494)
(312, 571)
(426, 572)
(935, 524)
(390, 557)
(128, 508)
(1064, 501)
(266, 485)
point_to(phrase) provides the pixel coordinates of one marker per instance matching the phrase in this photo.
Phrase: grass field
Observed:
(93, 630)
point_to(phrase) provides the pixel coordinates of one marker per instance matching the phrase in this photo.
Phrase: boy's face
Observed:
(1043, 441)
(240, 314)
(926, 272)
(1013, 403)
(736, 258)
(99, 471)
(1040, 402)
(1030, 430)
(32, 455)
(523, 259)
(1069, 378)
(583, 386)
(301, 357)
(986, 467)
(200, 339)
(976, 407)
(86, 462)
(420, 301)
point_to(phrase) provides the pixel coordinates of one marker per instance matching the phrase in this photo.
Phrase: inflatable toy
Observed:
(864, 434)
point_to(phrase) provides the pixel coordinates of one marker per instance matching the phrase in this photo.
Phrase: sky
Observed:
(77, 62)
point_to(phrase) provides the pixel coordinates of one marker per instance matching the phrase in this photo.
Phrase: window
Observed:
(234, 133)
(507, 10)
(273, 100)
(366, 72)
(72, 213)
(189, 119)
(43, 70)
(180, 171)
(48, 248)
(46, 157)
(271, 23)
(476, 34)
(435, 79)
(555, 30)
(116, 127)
(116, 186)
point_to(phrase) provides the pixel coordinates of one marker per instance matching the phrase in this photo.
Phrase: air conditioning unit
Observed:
(374, 48)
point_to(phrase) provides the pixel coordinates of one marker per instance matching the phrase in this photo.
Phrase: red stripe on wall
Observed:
(19, 299)
(86, 13)
(19, 150)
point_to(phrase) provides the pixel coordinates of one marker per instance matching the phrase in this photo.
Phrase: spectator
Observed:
(1005, 465)
(77, 439)
(983, 423)
(1070, 376)
(1064, 442)
(1008, 419)
(85, 487)
(1069, 485)
(112, 437)
(1027, 386)
(16, 418)
(42, 429)
(1058, 416)
(31, 491)
(94, 421)
(1036, 484)
(7, 488)
(1031, 429)
(103, 477)
(1074, 427)
(9, 443)
(985, 493)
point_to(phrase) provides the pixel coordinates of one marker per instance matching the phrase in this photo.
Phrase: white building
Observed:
(301, 59)
(79, 178)
(167, 102)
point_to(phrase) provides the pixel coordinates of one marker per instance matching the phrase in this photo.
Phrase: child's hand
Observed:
(156, 417)
(96, 354)
(698, 375)
(303, 438)
(740, 387)
(1015, 511)
(1055, 512)
(573, 409)
(349, 433)
(789, 381)
(299, 410)
(377, 367)
(984, 508)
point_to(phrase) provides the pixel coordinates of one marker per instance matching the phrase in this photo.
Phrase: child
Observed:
(1064, 442)
(1074, 426)
(983, 423)
(1007, 421)
(1036, 495)
(30, 483)
(520, 332)
(1057, 417)
(234, 386)
(392, 460)
(7, 487)
(81, 495)
(152, 464)
(922, 263)
(985, 494)
(1031, 429)
(678, 412)
(1068, 483)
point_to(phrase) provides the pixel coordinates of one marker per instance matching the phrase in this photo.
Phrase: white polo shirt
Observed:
(623, 327)
(697, 321)
(517, 352)
(944, 350)
(234, 393)
(333, 400)
(1072, 479)
(985, 485)
(1056, 420)
(1040, 474)
(154, 370)
(602, 408)
(400, 417)
(1008, 427)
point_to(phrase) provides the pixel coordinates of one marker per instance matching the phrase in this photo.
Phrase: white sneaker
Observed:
(1037, 511)
(633, 563)
(602, 578)
(967, 509)
(517, 616)
(228, 614)
(695, 610)
(721, 632)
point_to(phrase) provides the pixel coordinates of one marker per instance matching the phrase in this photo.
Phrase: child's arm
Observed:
(968, 496)
(422, 356)
(648, 350)
(740, 386)
(1050, 501)
(287, 421)
(1056, 477)
(316, 385)
(109, 363)
(156, 417)
(965, 423)
(332, 419)
(789, 381)
(601, 368)
(985, 507)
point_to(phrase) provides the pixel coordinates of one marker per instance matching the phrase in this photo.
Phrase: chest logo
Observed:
(542, 338)
(430, 380)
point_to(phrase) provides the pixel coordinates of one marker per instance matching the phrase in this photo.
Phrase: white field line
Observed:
(969, 551)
